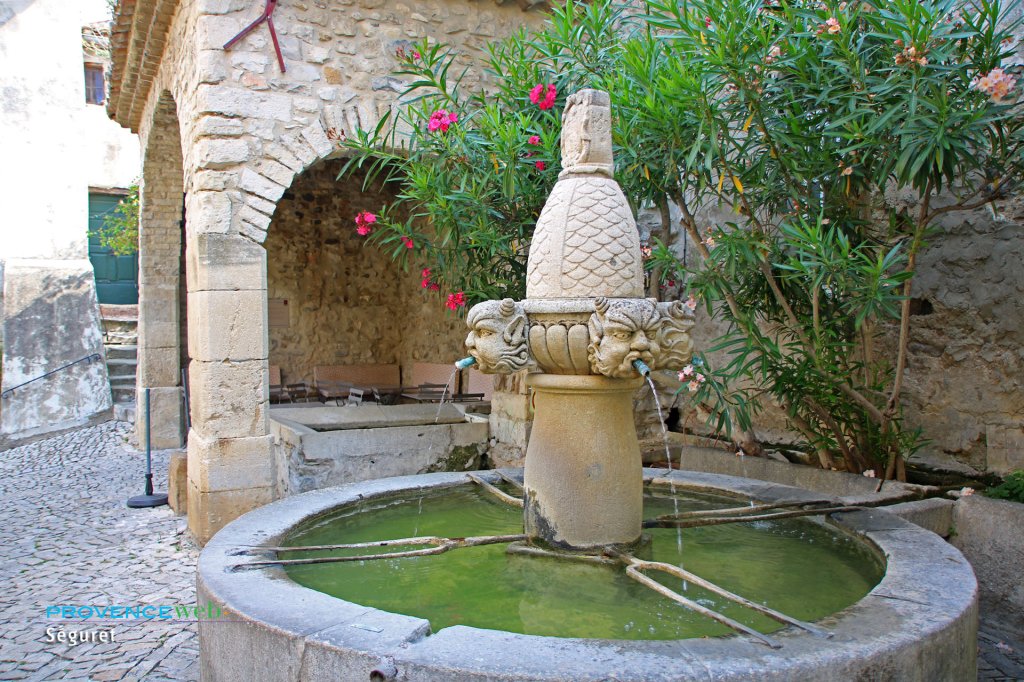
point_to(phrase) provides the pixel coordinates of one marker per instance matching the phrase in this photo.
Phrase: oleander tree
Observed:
(794, 119)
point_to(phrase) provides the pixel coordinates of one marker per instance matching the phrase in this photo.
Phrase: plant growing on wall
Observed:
(772, 135)
(120, 229)
(1012, 488)
(474, 168)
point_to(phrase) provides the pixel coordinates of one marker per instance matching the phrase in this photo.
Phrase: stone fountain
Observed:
(586, 326)
(588, 336)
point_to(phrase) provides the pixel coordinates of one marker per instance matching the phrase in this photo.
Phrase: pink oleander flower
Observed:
(408, 242)
(831, 26)
(441, 120)
(416, 55)
(691, 303)
(707, 22)
(427, 283)
(966, 492)
(997, 84)
(694, 386)
(364, 223)
(773, 54)
(540, 165)
(709, 241)
(455, 300)
(909, 55)
(534, 139)
(543, 95)
(700, 378)
(686, 373)
(645, 252)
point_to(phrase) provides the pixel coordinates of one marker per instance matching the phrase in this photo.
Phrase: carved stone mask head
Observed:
(497, 337)
(621, 331)
(674, 336)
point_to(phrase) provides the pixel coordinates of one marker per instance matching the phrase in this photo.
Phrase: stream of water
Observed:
(668, 458)
(445, 392)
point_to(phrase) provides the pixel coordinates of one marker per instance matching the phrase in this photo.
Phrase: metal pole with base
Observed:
(149, 499)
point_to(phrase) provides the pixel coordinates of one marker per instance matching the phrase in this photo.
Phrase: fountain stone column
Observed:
(582, 329)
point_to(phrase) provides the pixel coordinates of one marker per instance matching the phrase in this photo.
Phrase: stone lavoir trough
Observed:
(616, 572)
(318, 447)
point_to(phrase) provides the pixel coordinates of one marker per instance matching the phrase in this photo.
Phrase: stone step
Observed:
(123, 395)
(118, 351)
(120, 338)
(121, 368)
(123, 381)
(124, 410)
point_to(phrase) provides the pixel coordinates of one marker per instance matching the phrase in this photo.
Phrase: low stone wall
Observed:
(850, 488)
(369, 442)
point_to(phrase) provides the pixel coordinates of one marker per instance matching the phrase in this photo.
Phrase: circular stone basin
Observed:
(917, 623)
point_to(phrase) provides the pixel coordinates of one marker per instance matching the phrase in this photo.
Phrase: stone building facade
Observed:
(236, 161)
(58, 149)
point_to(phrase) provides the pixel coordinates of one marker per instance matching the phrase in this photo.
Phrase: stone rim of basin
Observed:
(917, 623)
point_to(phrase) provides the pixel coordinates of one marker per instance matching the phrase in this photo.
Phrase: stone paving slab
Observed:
(69, 539)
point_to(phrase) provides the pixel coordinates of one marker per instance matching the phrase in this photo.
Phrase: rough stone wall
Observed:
(965, 375)
(347, 301)
(963, 379)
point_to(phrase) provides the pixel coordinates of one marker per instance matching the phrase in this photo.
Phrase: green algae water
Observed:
(798, 567)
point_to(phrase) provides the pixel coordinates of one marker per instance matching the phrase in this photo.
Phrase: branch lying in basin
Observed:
(737, 511)
(437, 545)
(634, 566)
(500, 494)
(671, 521)
(633, 570)
(509, 479)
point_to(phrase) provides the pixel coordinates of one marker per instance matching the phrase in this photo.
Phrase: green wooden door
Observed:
(117, 277)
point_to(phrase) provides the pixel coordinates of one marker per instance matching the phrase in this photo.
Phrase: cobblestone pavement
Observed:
(68, 539)
(1000, 653)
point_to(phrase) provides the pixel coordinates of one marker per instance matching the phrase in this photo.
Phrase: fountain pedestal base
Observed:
(583, 475)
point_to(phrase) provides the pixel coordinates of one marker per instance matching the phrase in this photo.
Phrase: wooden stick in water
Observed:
(641, 565)
(735, 511)
(501, 495)
(439, 546)
(508, 479)
(715, 521)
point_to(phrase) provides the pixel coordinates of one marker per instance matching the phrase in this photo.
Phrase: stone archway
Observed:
(160, 283)
(335, 298)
